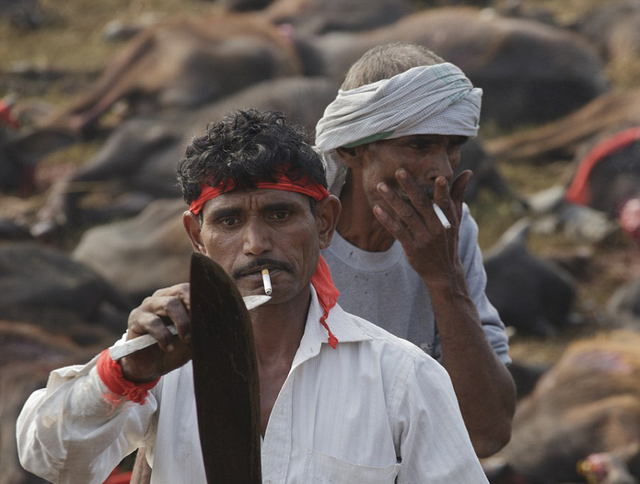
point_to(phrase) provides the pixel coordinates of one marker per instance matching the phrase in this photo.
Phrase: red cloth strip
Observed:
(111, 375)
(327, 295)
(304, 186)
(579, 191)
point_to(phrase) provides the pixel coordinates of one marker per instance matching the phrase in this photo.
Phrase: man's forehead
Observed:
(256, 197)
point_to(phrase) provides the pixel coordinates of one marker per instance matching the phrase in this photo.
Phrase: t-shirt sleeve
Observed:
(471, 258)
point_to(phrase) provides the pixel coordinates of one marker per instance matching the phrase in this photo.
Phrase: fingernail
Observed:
(383, 187)
(170, 347)
(402, 173)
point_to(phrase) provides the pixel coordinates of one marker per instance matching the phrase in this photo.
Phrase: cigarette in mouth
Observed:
(443, 218)
(266, 280)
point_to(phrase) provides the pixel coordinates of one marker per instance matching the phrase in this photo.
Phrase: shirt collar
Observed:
(315, 335)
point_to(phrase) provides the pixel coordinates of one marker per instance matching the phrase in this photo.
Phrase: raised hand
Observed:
(166, 306)
(431, 249)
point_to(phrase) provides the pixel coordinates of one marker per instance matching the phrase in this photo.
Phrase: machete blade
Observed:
(225, 375)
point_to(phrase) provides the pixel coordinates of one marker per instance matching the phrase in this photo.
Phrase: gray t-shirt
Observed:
(383, 288)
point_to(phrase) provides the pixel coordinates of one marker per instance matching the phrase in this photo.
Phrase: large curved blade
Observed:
(225, 374)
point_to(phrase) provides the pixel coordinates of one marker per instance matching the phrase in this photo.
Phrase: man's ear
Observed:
(352, 157)
(193, 228)
(327, 213)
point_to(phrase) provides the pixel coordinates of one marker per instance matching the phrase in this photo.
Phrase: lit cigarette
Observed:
(266, 280)
(443, 218)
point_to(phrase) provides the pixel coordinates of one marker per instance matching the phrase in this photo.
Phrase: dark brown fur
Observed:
(588, 403)
(182, 63)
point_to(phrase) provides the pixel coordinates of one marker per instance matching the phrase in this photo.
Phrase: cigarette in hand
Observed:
(266, 280)
(443, 218)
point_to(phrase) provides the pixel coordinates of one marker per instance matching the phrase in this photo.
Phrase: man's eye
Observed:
(280, 215)
(229, 222)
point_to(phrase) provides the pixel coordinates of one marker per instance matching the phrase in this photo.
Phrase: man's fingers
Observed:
(422, 202)
(392, 225)
(400, 206)
(459, 187)
(415, 192)
(181, 291)
(156, 312)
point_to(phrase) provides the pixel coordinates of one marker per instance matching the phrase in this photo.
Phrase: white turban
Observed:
(437, 99)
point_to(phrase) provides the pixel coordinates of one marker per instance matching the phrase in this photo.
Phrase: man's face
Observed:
(247, 231)
(424, 157)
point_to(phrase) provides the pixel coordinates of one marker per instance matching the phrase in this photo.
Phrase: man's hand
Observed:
(430, 248)
(166, 306)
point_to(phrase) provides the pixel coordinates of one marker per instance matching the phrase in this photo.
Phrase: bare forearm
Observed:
(483, 385)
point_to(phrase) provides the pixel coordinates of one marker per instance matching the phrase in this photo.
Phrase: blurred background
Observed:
(98, 100)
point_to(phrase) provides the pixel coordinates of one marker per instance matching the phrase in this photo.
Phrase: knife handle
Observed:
(120, 350)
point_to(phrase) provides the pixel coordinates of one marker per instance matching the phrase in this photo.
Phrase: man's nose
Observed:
(256, 238)
(439, 164)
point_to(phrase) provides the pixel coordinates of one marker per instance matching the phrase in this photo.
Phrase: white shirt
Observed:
(373, 410)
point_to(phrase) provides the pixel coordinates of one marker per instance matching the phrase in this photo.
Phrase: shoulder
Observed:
(392, 351)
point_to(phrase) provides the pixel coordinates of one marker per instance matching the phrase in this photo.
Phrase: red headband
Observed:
(304, 186)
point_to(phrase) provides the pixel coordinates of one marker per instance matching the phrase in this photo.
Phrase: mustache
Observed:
(262, 262)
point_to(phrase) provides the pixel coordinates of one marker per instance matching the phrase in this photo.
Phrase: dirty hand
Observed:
(166, 306)
(431, 249)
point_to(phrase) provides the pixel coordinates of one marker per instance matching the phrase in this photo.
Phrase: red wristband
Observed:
(110, 373)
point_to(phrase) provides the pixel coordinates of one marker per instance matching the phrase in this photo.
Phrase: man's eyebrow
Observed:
(226, 212)
(281, 206)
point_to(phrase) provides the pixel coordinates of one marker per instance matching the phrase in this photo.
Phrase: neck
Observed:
(357, 223)
(278, 329)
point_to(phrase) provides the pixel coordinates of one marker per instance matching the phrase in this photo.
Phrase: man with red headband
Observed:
(342, 400)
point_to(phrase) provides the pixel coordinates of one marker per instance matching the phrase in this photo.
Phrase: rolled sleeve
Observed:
(69, 432)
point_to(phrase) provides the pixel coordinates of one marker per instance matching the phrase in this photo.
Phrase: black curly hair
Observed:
(248, 146)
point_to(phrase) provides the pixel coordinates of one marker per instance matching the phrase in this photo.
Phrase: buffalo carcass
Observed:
(24, 14)
(322, 16)
(530, 72)
(614, 28)
(141, 254)
(47, 288)
(184, 63)
(604, 193)
(582, 418)
(609, 173)
(532, 295)
(141, 155)
(27, 354)
(563, 138)
(20, 153)
(623, 307)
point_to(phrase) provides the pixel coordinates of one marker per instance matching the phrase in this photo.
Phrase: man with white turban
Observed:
(390, 141)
